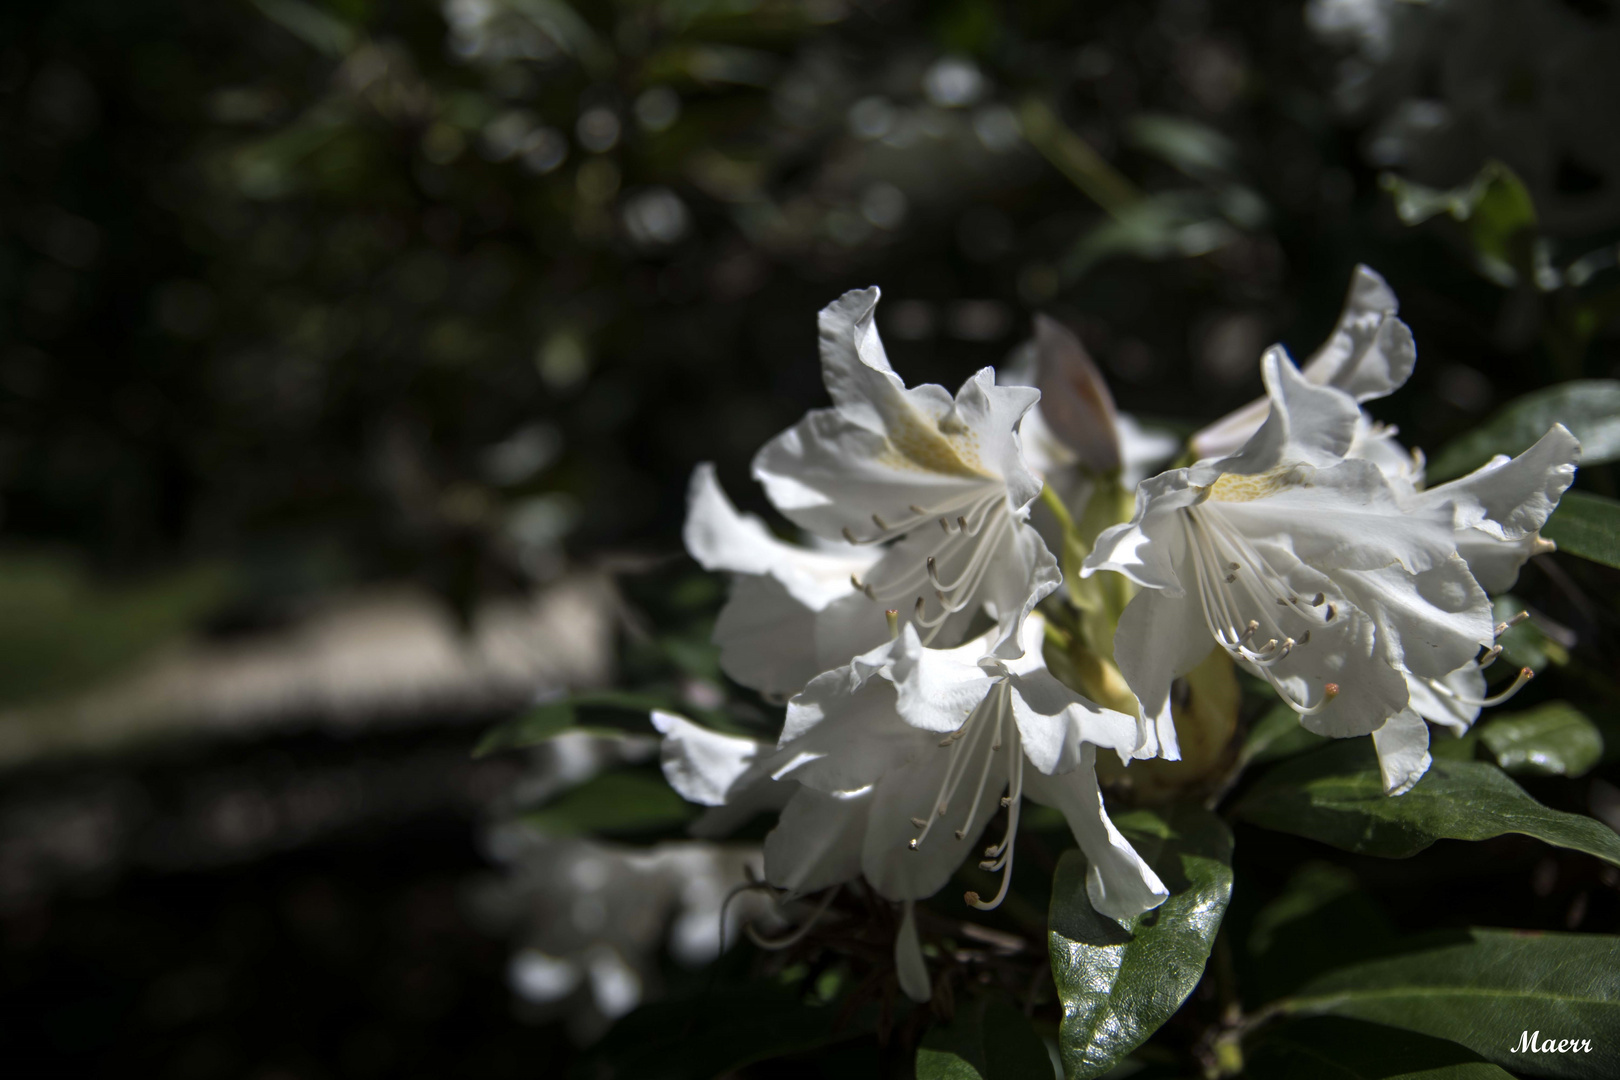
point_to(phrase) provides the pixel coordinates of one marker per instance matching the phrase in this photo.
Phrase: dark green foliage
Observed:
(1336, 795)
(1119, 983)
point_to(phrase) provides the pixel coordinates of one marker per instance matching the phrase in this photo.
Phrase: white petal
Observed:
(1160, 638)
(887, 860)
(1118, 882)
(1307, 423)
(936, 689)
(1149, 548)
(1346, 651)
(843, 732)
(988, 416)
(1345, 517)
(884, 448)
(1433, 622)
(705, 766)
(720, 538)
(775, 644)
(1467, 683)
(1403, 751)
(1075, 403)
(1142, 449)
(908, 958)
(817, 841)
(828, 474)
(1378, 444)
(1370, 353)
(1507, 501)
(1024, 572)
(1054, 721)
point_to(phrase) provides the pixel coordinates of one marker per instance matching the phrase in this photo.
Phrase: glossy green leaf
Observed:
(1330, 1048)
(986, 1040)
(1335, 795)
(1590, 408)
(1586, 525)
(1555, 739)
(1277, 734)
(1483, 989)
(627, 801)
(605, 712)
(1119, 983)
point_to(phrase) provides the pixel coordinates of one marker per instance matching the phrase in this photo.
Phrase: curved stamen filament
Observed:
(989, 758)
(1015, 801)
(1216, 573)
(796, 936)
(965, 506)
(1524, 676)
(962, 742)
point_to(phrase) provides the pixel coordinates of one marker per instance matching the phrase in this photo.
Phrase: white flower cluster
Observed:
(904, 637)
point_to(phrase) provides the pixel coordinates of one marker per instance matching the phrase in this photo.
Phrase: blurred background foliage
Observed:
(300, 297)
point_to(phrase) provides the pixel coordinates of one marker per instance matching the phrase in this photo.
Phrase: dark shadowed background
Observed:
(354, 355)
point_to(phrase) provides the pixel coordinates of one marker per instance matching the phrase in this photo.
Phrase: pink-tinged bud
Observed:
(1075, 402)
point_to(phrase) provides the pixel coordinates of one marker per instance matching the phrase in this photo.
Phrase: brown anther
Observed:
(913, 844)
(961, 522)
(1328, 615)
(970, 897)
(919, 822)
(1006, 800)
(1331, 689)
(915, 509)
(879, 523)
(850, 536)
(1316, 601)
(1231, 578)
(961, 833)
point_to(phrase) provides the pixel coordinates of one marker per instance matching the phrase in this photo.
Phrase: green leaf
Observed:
(1277, 734)
(1118, 984)
(1330, 1048)
(603, 712)
(1555, 739)
(1586, 525)
(987, 1040)
(1297, 936)
(1496, 208)
(1335, 795)
(627, 801)
(1482, 988)
(1590, 408)
(712, 1034)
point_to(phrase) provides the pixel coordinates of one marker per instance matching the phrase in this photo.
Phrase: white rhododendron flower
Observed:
(1495, 518)
(1316, 571)
(892, 765)
(931, 492)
